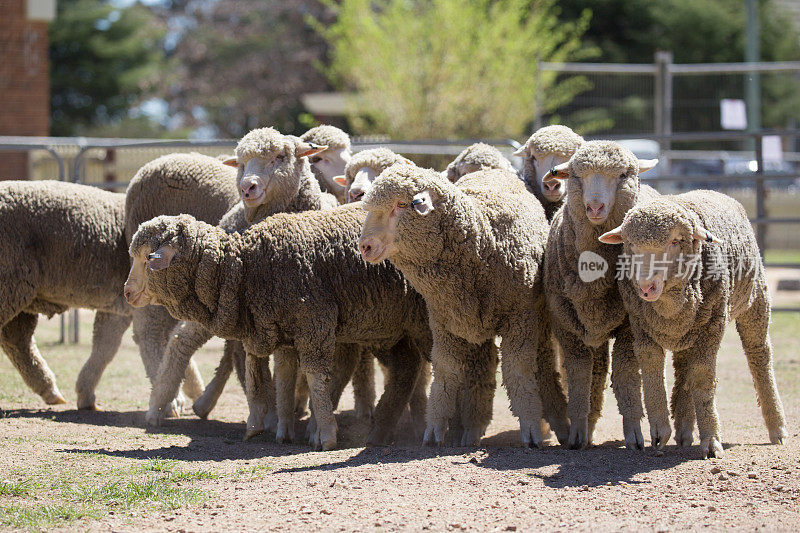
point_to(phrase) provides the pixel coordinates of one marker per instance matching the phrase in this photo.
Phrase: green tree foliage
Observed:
(103, 60)
(695, 31)
(448, 68)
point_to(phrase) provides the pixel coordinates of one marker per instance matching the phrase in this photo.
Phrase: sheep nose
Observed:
(248, 189)
(365, 248)
(356, 195)
(552, 185)
(647, 288)
(127, 293)
(593, 209)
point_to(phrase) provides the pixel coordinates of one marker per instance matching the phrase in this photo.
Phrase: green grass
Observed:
(158, 492)
(11, 488)
(37, 517)
(782, 256)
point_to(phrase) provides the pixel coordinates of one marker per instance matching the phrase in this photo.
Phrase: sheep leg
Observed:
(447, 359)
(301, 396)
(701, 365)
(627, 384)
(106, 337)
(403, 364)
(203, 405)
(285, 381)
(16, 339)
(419, 400)
(188, 337)
(256, 393)
(578, 364)
(477, 398)
(324, 437)
(364, 386)
(346, 360)
(554, 401)
(520, 349)
(651, 361)
(753, 328)
(682, 404)
(600, 363)
(151, 330)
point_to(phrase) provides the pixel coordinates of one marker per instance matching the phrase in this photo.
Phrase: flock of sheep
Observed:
(460, 270)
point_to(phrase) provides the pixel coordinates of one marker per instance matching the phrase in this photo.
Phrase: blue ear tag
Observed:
(709, 237)
(417, 201)
(154, 255)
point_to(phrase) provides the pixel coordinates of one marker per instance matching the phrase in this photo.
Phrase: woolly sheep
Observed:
(478, 156)
(330, 162)
(602, 185)
(273, 175)
(63, 246)
(696, 266)
(546, 148)
(293, 281)
(363, 168)
(170, 185)
(474, 251)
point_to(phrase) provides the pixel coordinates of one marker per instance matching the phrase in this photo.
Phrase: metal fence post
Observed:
(663, 104)
(761, 210)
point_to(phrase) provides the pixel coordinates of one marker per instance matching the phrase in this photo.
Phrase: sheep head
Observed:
(332, 161)
(363, 168)
(662, 243)
(603, 180)
(271, 165)
(403, 219)
(156, 246)
(478, 156)
(546, 148)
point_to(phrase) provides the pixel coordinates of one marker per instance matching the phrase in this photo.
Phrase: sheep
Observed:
(293, 281)
(478, 156)
(169, 185)
(692, 263)
(363, 168)
(586, 310)
(330, 162)
(63, 246)
(546, 148)
(474, 250)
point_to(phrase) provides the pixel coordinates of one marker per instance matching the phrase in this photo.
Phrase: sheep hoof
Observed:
(86, 402)
(172, 410)
(660, 432)
(578, 434)
(683, 437)
(153, 417)
(560, 428)
(91, 407)
(472, 436)
(54, 397)
(634, 440)
(364, 411)
(778, 435)
(430, 438)
(252, 432)
(284, 434)
(711, 447)
(202, 407)
(271, 420)
(531, 434)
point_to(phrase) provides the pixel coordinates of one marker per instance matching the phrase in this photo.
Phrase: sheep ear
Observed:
(612, 237)
(305, 149)
(161, 258)
(422, 202)
(340, 180)
(558, 172)
(408, 161)
(647, 164)
(702, 234)
(231, 162)
(522, 152)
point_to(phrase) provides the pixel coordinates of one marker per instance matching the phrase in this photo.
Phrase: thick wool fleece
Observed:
(378, 159)
(585, 316)
(194, 184)
(326, 135)
(551, 140)
(63, 246)
(476, 259)
(292, 189)
(689, 318)
(478, 156)
(294, 281)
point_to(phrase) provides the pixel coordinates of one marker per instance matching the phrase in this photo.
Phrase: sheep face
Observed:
(540, 164)
(662, 244)
(478, 156)
(330, 163)
(400, 207)
(362, 170)
(599, 174)
(269, 163)
(546, 148)
(154, 248)
(360, 183)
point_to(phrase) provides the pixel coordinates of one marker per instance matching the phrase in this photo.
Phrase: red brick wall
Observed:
(24, 82)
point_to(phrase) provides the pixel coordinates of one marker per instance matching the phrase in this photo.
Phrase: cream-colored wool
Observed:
(338, 146)
(548, 146)
(295, 282)
(586, 315)
(476, 258)
(478, 156)
(291, 187)
(689, 317)
(364, 167)
(63, 246)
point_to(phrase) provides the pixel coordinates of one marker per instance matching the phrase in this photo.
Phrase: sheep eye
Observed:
(676, 242)
(280, 157)
(402, 205)
(316, 159)
(622, 176)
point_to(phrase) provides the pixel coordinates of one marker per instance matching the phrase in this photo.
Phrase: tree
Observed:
(103, 60)
(447, 68)
(239, 65)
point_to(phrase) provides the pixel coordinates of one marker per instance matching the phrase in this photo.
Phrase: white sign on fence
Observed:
(733, 114)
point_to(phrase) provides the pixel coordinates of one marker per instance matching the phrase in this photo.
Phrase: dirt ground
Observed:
(61, 469)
